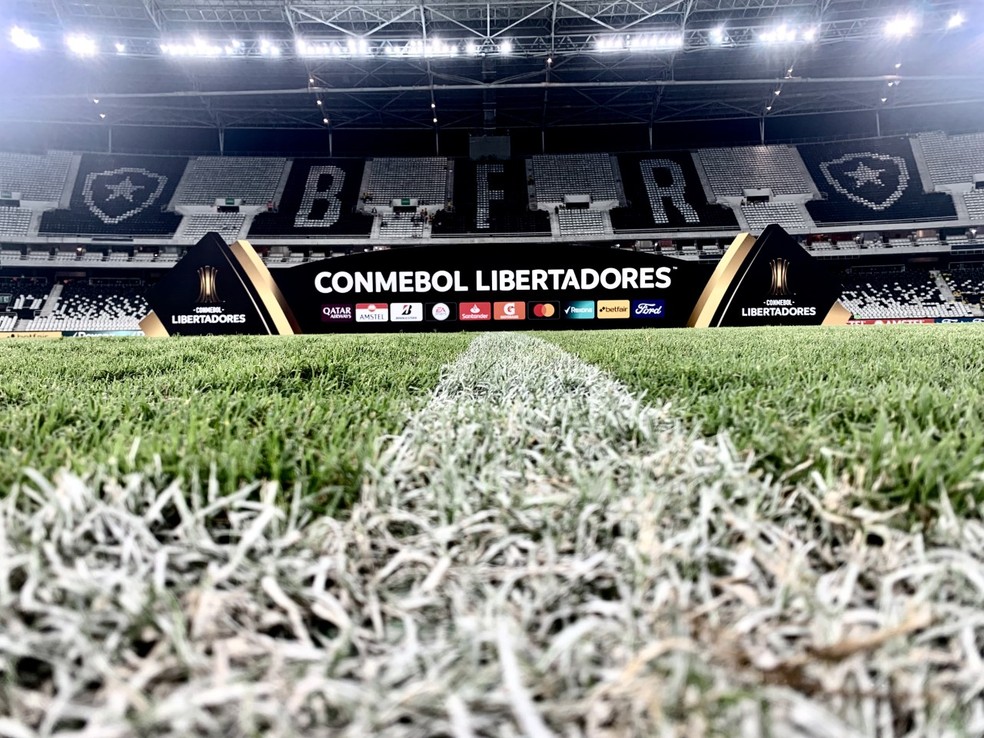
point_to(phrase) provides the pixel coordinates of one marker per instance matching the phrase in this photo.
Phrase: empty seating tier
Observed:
(14, 221)
(39, 178)
(576, 224)
(556, 176)
(898, 295)
(664, 191)
(226, 225)
(871, 181)
(789, 215)
(731, 171)
(953, 159)
(401, 225)
(120, 195)
(102, 304)
(422, 178)
(975, 206)
(967, 284)
(490, 198)
(320, 199)
(253, 179)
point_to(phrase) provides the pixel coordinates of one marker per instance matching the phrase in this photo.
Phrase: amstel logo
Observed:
(779, 273)
(208, 293)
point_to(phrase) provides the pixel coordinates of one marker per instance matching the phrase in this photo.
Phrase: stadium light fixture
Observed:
(471, 48)
(102, 116)
(810, 34)
(900, 26)
(95, 101)
(782, 34)
(956, 20)
(506, 47)
(24, 40)
(325, 121)
(120, 47)
(717, 35)
(197, 47)
(81, 45)
(269, 49)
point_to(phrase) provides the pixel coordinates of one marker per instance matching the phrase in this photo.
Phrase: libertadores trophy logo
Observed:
(208, 293)
(779, 271)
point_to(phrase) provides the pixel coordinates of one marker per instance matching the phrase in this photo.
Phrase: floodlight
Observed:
(956, 20)
(506, 47)
(24, 40)
(782, 34)
(717, 35)
(120, 47)
(900, 26)
(81, 45)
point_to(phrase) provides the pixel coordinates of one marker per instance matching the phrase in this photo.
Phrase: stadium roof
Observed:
(465, 64)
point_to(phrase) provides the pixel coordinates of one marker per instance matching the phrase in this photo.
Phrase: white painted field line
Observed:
(539, 553)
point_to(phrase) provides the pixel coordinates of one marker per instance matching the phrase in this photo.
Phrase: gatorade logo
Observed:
(544, 311)
(510, 311)
(474, 311)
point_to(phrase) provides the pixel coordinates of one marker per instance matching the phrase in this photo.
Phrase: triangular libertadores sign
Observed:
(218, 289)
(771, 280)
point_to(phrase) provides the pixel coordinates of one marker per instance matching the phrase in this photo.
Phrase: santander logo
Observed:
(475, 311)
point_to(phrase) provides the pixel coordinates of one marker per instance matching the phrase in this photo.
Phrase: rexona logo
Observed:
(579, 310)
(510, 311)
(474, 311)
(613, 309)
(649, 309)
(406, 312)
(440, 311)
(337, 314)
(544, 311)
(371, 312)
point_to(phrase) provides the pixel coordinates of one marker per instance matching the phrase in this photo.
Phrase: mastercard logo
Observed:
(544, 310)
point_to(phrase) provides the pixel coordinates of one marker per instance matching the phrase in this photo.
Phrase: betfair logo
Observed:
(208, 293)
(779, 273)
(613, 309)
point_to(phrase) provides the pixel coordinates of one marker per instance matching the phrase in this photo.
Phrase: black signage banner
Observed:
(227, 289)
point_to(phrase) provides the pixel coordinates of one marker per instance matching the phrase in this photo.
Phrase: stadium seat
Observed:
(253, 179)
(730, 171)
